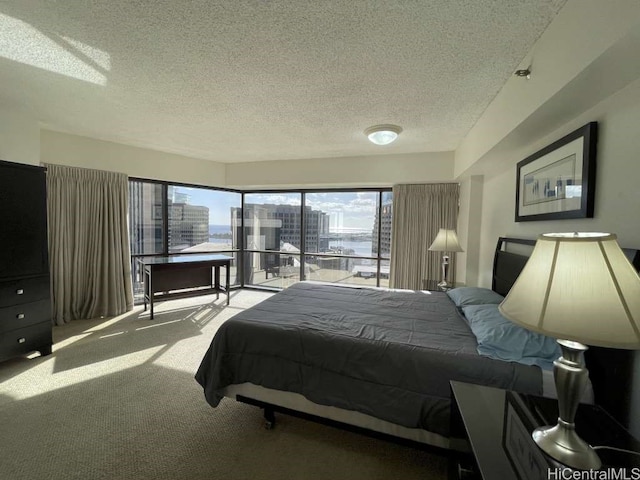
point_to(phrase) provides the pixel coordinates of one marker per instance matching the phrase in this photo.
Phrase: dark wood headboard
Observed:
(508, 265)
(611, 370)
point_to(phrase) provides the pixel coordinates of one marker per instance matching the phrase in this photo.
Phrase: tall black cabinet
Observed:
(25, 303)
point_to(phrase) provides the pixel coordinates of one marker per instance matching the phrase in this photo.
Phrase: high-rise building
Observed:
(188, 225)
(145, 217)
(385, 231)
(279, 224)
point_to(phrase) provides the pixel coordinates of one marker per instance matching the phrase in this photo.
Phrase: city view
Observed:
(340, 235)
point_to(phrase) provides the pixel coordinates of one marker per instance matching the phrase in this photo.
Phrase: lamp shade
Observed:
(446, 241)
(579, 287)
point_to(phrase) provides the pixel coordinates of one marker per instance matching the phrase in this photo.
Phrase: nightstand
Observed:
(497, 425)
(432, 285)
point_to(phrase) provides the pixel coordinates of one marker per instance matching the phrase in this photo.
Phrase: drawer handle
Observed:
(20, 316)
(22, 340)
(20, 291)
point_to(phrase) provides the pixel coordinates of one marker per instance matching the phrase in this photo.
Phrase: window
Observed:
(281, 237)
(145, 218)
(272, 223)
(342, 233)
(197, 220)
(200, 219)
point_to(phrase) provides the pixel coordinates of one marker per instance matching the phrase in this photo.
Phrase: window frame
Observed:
(240, 250)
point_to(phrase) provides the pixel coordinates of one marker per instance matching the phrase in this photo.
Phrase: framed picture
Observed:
(558, 181)
(524, 455)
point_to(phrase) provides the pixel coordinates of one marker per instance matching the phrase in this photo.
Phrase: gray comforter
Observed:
(389, 354)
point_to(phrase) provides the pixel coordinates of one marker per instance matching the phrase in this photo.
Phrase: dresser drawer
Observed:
(20, 316)
(24, 290)
(25, 340)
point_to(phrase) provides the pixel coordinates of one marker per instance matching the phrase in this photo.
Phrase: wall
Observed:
(374, 171)
(76, 151)
(617, 202)
(617, 197)
(19, 137)
(381, 170)
(470, 220)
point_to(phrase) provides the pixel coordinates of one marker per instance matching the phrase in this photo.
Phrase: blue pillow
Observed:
(502, 339)
(464, 296)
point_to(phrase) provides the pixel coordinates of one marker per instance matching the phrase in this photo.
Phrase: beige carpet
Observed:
(117, 400)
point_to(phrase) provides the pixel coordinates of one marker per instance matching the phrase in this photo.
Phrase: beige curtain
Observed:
(88, 243)
(419, 211)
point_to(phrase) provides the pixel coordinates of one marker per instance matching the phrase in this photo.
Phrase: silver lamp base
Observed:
(444, 285)
(561, 441)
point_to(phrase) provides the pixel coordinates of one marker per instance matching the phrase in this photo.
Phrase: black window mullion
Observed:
(241, 253)
(303, 234)
(165, 219)
(379, 239)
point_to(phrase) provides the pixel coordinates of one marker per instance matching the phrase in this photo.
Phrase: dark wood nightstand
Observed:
(497, 425)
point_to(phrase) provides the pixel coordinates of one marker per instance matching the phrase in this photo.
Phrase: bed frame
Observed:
(510, 257)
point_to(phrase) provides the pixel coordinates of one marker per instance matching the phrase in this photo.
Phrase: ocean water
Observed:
(361, 248)
(217, 229)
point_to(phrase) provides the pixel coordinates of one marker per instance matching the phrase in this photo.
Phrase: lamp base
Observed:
(444, 285)
(562, 443)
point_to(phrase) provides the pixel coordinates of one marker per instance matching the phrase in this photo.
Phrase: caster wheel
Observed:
(268, 425)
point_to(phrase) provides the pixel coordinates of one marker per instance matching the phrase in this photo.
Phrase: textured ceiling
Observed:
(241, 80)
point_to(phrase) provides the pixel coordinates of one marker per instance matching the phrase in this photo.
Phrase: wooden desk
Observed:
(182, 276)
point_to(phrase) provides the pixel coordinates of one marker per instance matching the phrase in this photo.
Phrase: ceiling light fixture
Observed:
(383, 134)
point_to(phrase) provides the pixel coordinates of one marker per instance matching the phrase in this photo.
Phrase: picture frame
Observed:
(525, 457)
(558, 182)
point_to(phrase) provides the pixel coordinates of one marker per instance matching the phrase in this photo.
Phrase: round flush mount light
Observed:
(383, 134)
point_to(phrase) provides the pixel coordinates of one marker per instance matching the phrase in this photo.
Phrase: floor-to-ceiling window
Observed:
(323, 235)
(272, 239)
(342, 237)
(172, 219)
(275, 238)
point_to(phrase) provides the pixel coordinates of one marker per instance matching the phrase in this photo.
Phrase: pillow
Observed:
(501, 339)
(463, 296)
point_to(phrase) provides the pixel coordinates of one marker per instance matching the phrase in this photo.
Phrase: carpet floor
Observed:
(117, 400)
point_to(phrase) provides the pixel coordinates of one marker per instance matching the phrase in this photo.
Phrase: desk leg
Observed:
(216, 270)
(150, 290)
(145, 286)
(228, 281)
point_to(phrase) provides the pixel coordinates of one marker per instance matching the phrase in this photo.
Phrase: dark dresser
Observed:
(25, 303)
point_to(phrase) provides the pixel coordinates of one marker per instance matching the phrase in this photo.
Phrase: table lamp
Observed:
(581, 289)
(445, 241)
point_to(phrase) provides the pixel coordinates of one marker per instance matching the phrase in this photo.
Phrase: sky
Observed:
(348, 211)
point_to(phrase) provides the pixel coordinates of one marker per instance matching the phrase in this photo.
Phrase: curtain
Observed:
(419, 211)
(89, 250)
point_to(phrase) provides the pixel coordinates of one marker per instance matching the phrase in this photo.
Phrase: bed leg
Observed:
(269, 418)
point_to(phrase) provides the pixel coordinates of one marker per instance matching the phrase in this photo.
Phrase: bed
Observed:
(372, 358)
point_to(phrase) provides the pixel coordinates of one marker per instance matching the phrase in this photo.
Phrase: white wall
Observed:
(470, 220)
(19, 137)
(374, 171)
(76, 151)
(617, 198)
(382, 170)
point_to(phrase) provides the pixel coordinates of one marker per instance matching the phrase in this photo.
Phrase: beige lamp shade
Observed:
(580, 287)
(446, 241)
